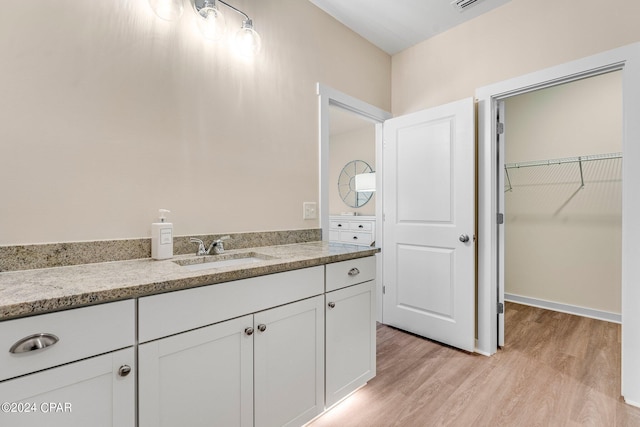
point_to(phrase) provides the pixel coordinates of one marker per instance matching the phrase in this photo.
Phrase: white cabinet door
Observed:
(90, 392)
(350, 340)
(199, 378)
(289, 363)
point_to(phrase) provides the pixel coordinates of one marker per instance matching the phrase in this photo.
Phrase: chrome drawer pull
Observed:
(124, 370)
(33, 342)
(354, 272)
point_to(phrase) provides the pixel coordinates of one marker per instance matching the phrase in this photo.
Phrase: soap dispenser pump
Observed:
(162, 237)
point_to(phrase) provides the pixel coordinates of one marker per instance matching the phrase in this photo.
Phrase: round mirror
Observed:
(347, 184)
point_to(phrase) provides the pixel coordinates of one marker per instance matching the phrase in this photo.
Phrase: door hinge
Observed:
(384, 289)
(500, 128)
(500, 308)
(500, 218)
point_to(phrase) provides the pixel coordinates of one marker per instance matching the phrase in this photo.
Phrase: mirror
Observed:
(352, 152)
(347, 184)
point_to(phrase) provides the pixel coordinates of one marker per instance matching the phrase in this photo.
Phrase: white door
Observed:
(503, 185)
(429, 223)
(92, 392)
(202, 377)
(289, 363)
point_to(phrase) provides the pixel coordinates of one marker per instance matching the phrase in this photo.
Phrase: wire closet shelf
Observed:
(579, 171)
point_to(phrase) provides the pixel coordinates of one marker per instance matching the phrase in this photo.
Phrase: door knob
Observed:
(464, 238)
(262, 327)
(248, 331)
(331, 304)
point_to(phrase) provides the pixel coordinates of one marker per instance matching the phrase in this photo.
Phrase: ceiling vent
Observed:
(463, 4)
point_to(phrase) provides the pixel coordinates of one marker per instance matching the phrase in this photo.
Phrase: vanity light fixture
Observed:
(212, 25)
(210, 20)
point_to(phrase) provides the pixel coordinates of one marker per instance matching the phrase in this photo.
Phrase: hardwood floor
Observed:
(556, 369)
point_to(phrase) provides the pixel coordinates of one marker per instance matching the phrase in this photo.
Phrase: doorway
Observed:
(626, 59)
(562, 197)
(329, 99)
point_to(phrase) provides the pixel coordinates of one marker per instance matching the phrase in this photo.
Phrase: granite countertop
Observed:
(29, 292)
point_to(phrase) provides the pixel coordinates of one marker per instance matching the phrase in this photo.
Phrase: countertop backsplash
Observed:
(29, 257)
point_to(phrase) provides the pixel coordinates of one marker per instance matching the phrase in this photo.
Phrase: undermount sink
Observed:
(206, 262)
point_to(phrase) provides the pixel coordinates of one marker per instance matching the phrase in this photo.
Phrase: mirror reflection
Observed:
(351, 152)
(348, 189)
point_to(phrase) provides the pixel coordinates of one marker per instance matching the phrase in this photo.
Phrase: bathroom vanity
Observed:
(273, 343)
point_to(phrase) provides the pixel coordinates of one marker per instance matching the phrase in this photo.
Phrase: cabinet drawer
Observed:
(356, 238)
(361, 226)
(347, 273)
(174, 312)
(338, 225)
(81, 333)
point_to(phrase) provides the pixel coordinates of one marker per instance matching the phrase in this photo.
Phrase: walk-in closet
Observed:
(562, 195)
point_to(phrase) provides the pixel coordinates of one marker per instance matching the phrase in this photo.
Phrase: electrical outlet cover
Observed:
(309, 210)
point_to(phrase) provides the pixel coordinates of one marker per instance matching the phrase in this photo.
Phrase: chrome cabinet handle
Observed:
(353, 272)
(33, 343)
(331, 304)
(262, 327)
(464, 238)
(355, 237)
(361, 226)
(124, 370)
(248, 331)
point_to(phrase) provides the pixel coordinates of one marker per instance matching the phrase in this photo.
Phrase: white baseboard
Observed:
(629, 402)
(565, 308)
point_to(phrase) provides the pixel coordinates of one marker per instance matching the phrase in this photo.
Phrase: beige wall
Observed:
(520, 37)
(109, 113)
(570, 254)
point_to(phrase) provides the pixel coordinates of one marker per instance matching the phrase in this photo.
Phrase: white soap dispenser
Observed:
(162, 237)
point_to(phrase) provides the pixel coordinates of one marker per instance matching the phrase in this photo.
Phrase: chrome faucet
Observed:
(201, 249)
(217, 246)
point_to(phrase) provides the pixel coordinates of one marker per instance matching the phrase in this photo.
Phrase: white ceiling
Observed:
(396, 25)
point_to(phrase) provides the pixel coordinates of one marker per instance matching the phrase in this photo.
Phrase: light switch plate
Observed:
(309, 210)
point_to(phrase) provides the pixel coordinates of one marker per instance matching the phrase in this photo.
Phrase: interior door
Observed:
(502, 187)
(429, 223)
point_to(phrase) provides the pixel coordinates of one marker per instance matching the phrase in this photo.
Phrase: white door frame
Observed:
(626, 59)
(328, 96)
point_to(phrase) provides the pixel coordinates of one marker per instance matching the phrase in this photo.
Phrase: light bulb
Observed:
(248, 42)
(211, 21)
(169, 10)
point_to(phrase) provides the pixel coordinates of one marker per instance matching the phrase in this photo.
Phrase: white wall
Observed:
(109, 113)
(571, 254)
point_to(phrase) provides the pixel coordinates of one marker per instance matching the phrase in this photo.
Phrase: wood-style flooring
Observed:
(556, 369)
